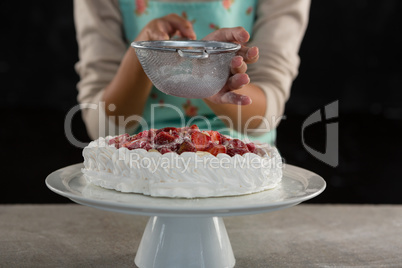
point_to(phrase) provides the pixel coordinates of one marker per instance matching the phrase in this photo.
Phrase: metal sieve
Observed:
(190, 69)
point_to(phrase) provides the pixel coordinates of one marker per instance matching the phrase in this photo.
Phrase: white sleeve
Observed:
(278, 32)
(101, 46)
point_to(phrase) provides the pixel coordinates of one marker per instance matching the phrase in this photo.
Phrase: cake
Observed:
(181, 162)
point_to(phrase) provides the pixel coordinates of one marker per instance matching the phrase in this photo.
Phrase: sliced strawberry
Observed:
(251, 147)
(168, 130)
(236, 143)
(187, 131)
(216, 137)
(164, 150)
(173, 146)
(234, 151)
(190, 131)
(236, 146)
(119, 140)
(150, 134)
(194, 127)
(186, 146)
(142, 143)
(138, 136)
(206, 133)
(164, 138)
(225, 140)
(216, 149)
(200, 140)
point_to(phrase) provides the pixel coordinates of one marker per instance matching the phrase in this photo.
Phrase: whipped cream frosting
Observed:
(187, 175)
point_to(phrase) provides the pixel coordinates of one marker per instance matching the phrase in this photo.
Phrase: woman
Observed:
(251, 102)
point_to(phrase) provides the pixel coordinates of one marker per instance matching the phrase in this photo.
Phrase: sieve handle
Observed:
(193, 54)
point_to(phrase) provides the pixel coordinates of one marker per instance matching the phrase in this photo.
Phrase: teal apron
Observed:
(163, 110)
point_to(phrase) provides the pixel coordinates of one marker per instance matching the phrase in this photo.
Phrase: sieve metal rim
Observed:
(175, 45)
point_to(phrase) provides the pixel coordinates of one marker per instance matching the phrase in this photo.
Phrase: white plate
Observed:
(297, 186)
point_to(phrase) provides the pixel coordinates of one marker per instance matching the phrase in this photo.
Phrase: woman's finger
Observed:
(173, 22)
(238, 65)
(231, 97)
(250, 55)
(236, 34)
(238, 81)
(155, 33)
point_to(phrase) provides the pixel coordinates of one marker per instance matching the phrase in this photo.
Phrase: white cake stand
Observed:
(186, 232)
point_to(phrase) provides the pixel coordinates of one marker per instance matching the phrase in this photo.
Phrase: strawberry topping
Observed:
(164, 138)
(186, 146)
(216, 149)
(216, 137)
(236, 146)
(185, 139)
(200, 140)
(150, 134)
(119, 140)
(142, 143)
(251, 147)
(164, 150)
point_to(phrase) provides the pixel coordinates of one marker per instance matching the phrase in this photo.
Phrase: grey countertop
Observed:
(302, 236)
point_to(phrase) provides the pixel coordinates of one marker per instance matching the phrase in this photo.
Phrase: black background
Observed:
(351, 53)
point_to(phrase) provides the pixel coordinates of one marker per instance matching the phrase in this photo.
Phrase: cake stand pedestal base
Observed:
(186, 232)
(185, 242)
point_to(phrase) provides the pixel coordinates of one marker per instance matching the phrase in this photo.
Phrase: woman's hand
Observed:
(238, 66)
(166, 27)
(130, 87)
